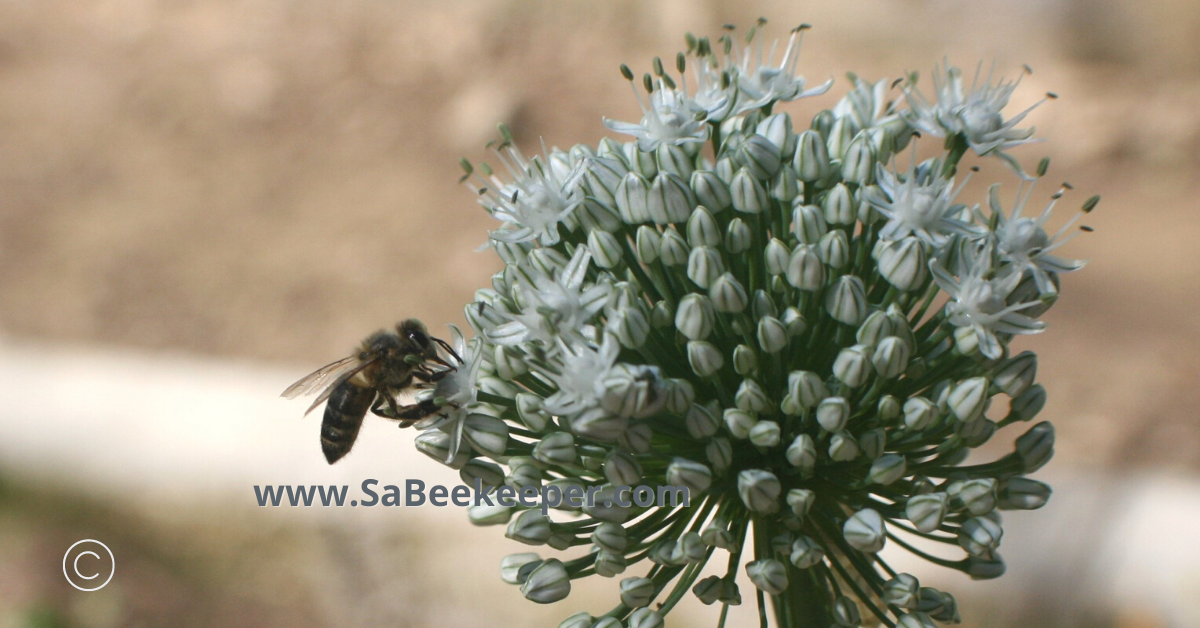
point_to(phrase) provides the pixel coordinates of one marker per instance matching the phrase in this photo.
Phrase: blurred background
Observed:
(201, 201)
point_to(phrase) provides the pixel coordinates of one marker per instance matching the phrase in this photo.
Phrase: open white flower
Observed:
(670, 117)
(762, 82)
(1022, 241)
(582, 369)
(919, 203)
(543, 193)
(554, 307)
(980, 301)
(458, 389)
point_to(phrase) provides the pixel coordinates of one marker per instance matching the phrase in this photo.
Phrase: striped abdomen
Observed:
(344, 414)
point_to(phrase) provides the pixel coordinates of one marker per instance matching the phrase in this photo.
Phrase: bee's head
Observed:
(413, 333)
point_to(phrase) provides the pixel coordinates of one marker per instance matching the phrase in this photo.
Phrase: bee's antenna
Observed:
(445, 345)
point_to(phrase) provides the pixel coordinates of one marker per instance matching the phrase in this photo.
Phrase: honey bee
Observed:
(385, 365)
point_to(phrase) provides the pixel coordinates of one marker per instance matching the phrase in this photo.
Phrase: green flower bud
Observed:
(646, 244)
(902, 591)
(805, 270)
(636, 438)
(873, 442)
(530, 527)
(630, 326)
(785, 186)
(637, 592)
(560, 541)
(711, 192)
(702, 229)
(511, 565)
(977, 496)
(701, 422)
(436, 445)
(598, 424)
(776, 257)
(915, 620)
(612, 512)
(980, 536)
(919, 413)
(1023, 494)
(759, 490)
(765, 434)
(695, 317)
(729, 593)
(839, 206)
(938, 604)
(489, 515)
(845, 613)
(875, 327)
(843, 447)
(968, 399)
(745, 360)
(610, 537)
(523, 474)
(606, 249)
(806, 553)
(889, 408)
(1029, 403)
(748, 194)
(772, 335)
(794, 320)
(689, 549)
(693, 476)
(808, 224)
(858, 166)
(488, 473)
(548, 583)
(760, 156)
(807, 387)
(811, 159)
(662, 315)
(750, 397)
(966, 341)
(977, 432)
(832, 413)
(680, 394)
(727, 294)
(864, 531)
(645, 618)
(985, 568)
(529, 410)
(720, 453)
(852, 366)
(887, 469)
(768, 575)
(834, 249)
(672, 158)
(555, 448)
(578, 620)
(672, 250)
(738, 237)
(631, 199)
(608, 622)
(927, 511)
(1017, 374)
(890, 357)
(902, 263)
(704, 266)
(704, 358)
(777, 128)
(639, 160)
(621, 469)
(707, 589)
(802, 453)
(739, 422)
(1036, 447)
(846, 300)
(800, 500)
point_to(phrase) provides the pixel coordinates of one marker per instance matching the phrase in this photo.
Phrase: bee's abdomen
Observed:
(343, 417)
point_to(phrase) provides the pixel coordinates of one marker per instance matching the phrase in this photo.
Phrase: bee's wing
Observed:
(338, 382)
(314, 380)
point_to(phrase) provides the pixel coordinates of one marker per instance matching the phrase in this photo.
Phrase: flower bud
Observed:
(560, 541)
(846, 301)
(738, 237)
(610, 537)
(845, 613)
(807, 387)
(604, 506)
(530, 527)
(729, 593)
(838, 206)
(902, 263)
(802, 453)
(852, 366)
(768, 575)
(727, 294)
(578, 620)
(621, 469)
(969, 399)
(748, 194)
(646, 244)
(672, 250)
(717, 535)
(915, 620)
(980, 536)
(701, 422)
(1017, 374)
(858, 166)
(720, 453)
(636, 438)
(488, 473)
(707, 589)
(436, 445)
(645, 618)
(832, 413)
(806, 553)
(510, 566)
(693, 476)
(1028, 404)
(662, 315)
(600, 425)
(919, 413)
(938, 604)
(631, 199)
(704, 358)
(890, 357)
(750, 397)
(843, 447)
(902, 591)
(759, 490)
(808, 224)
(805, 270)
(711, 192)
(776, 257)
(695, 317)
(523, 472)
(672, 159)
(985, 568)
(794, 321)
(760, 156)
(978, 496)
(873, 442)
(704, 266)
(606, 249)
(745, 360)
(1036, 447)
(887, 469)
(689, 549)
(927, 511)
(800, 500)
(889, 408)
(1023, 494)
(977, 432)
(555, 448)
(702, 229)
(778, 129)
(834, 249)
(772, 335)
(603, 176)
(864, 531)
(640, 160)
(739, 422)
(485, 515)
(811, 159)
(765, 434)
(637, 592)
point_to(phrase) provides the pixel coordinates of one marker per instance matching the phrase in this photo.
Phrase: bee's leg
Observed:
(407, 415)
(431, 376)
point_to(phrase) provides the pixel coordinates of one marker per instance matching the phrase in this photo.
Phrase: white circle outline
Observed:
(110, 556)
